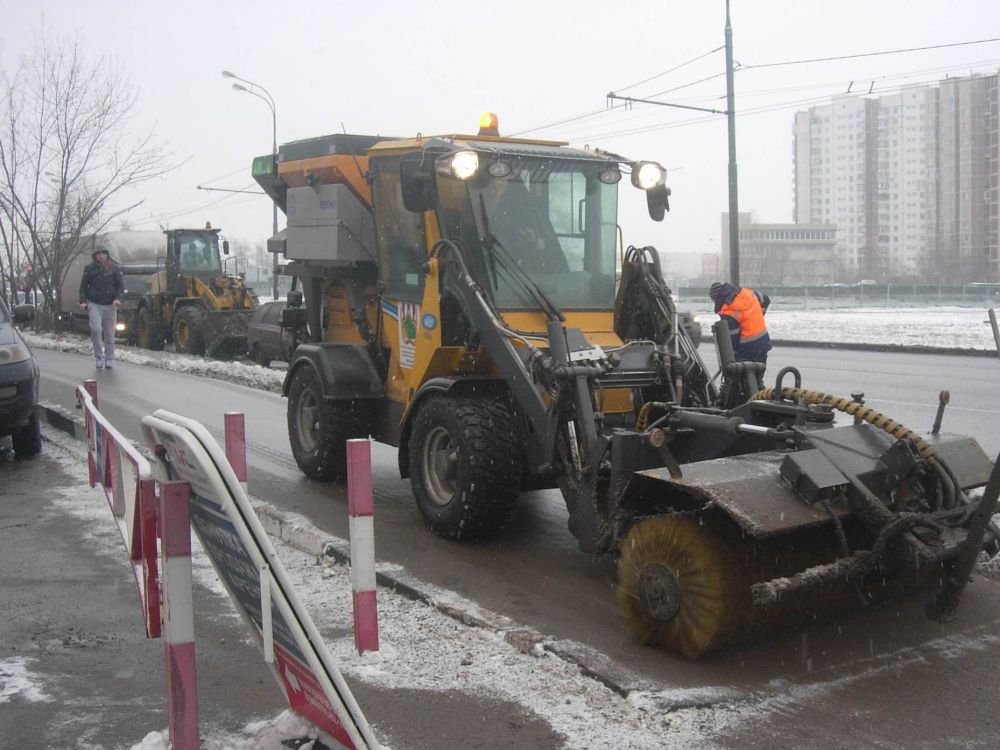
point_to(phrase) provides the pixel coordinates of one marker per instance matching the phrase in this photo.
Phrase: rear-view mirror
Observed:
(658, 202)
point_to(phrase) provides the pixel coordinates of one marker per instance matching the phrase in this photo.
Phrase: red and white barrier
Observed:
(362, 529)
(178, 616)
(236, 445)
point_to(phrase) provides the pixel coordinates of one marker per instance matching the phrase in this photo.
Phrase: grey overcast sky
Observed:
(399, 68)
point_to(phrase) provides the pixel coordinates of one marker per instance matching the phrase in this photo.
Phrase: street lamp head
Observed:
(240, 87)
(228, 74)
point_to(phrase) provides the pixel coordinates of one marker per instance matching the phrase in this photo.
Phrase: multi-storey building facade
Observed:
(910, 179)
(783, 254)
(835, 177)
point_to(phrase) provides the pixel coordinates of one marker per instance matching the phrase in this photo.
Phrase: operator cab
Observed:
(537, 221)
(194, 252)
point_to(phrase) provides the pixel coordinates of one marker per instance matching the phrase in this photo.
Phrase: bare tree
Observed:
(68, 154)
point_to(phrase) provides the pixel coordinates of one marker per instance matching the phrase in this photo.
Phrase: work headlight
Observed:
(499, 169)
(462, 164)
(610, 175)
(647, 175)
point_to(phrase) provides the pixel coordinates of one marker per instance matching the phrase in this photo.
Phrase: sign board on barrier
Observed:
(248, 566)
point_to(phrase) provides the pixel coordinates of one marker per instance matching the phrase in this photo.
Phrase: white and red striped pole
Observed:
(178, 616)
(362, 528)
(236, 445)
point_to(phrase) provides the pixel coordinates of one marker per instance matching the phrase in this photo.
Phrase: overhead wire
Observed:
(606, 110)
(867, 54)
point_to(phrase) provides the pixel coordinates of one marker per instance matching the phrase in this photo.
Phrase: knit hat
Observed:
(715, 290)
(98, 250)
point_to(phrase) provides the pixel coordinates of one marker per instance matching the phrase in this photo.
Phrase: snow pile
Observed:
(250, 375)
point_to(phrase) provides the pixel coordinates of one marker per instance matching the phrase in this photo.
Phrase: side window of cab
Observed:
(401, 242)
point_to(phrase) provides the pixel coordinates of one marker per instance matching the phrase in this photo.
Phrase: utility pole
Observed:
(734, 209)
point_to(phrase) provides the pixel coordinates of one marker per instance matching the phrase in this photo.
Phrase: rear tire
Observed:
(150, 332)
(28, 440)
(465, 465)
(318, 428)
(188, 335)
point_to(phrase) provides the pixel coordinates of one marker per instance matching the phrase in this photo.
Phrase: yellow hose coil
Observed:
(848, 406)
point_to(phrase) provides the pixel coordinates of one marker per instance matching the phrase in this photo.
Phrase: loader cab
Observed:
(518, 209)
(193, 252)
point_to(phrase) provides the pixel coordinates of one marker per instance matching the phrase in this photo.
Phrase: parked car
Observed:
(266, 339)
(692, 325)
(18, 388)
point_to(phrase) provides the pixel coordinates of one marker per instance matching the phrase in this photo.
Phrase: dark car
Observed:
(266, 339)
(18, 388)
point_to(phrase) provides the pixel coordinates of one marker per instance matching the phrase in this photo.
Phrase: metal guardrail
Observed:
(127, 480)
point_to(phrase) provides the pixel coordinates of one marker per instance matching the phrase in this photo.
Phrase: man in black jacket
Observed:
(101, 291)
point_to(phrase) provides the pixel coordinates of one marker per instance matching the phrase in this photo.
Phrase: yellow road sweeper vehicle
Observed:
(459, 300)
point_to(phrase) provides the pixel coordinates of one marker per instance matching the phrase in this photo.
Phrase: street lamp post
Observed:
(264, 95)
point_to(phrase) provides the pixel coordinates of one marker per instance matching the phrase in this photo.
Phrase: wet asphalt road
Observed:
(856, 665)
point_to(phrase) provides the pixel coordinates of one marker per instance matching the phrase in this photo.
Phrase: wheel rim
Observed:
(440, 466)
(308, 420)
(659, 591)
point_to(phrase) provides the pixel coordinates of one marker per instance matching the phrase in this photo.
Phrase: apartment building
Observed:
(910, 179)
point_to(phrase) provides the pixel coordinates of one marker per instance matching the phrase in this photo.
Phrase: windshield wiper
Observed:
(500, 254)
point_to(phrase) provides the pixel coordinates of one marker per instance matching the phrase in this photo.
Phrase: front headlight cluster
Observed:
(13, 353)
(120, 327)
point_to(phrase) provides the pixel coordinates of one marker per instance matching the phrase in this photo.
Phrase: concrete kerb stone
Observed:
(299, 532)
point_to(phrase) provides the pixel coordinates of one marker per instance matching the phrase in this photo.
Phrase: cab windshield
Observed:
(199, 253)
(552, 218)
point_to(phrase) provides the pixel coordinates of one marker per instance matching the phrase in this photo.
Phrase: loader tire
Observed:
(150, 333)
(465, 465)
(189, 336)
(683, 587)
(319, 428)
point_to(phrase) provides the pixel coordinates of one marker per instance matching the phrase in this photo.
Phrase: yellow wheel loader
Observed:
(192, 301)
(458, 300)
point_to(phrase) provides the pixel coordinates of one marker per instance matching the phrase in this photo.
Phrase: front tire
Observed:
(318, 428)
(465, 465)
(28, 440)
(188, 335)
(150, 333)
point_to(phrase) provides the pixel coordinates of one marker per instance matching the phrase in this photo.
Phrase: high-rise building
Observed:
(910, 179)
(967, 179)
(835, 177)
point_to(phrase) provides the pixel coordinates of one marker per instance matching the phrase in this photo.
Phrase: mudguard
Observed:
(346, 371)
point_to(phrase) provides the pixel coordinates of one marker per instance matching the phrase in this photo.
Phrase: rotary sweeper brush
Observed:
(460, 299)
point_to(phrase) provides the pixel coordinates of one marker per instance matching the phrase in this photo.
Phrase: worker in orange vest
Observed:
(743, 309)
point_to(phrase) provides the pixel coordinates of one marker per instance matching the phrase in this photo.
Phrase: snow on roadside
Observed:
(17, 680)
(421, 648)
(933, 327)
(250, 375)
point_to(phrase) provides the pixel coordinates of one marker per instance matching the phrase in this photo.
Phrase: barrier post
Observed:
(996, 329)
(362, 530)
(236, 445)
(178, 616)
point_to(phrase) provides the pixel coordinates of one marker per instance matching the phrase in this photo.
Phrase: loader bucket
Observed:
(225, 333)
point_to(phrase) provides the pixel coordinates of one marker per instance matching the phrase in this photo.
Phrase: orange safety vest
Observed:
(746, 309)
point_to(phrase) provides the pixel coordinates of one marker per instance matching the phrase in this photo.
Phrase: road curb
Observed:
(300, 533)
(887, 348)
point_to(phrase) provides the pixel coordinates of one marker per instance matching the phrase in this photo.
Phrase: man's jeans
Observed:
(102, 329)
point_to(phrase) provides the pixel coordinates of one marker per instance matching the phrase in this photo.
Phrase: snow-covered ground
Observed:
(934, 327)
